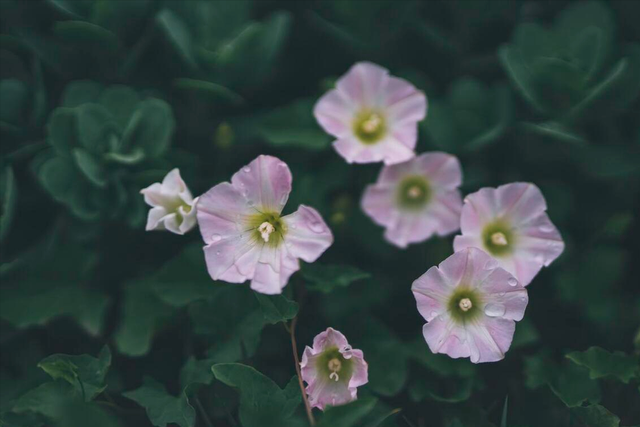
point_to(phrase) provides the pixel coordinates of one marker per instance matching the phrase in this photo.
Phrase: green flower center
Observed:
(498, 238)
(369, 126)
(267, 228)
(332, 365)
(464, 305)
(414, 192)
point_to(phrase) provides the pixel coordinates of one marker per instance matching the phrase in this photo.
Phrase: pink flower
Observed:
(510, 223)
(172, 205)
(373, 115)
(470, 305)
(332, 370)
(416, 199)
(246, 236)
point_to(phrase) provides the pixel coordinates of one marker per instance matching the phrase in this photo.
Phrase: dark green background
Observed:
(544, 92)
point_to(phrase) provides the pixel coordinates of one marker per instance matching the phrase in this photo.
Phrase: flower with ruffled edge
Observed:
(373, 115)
(246, 236)
(332, 370)
(173, 206)
(470, 305)
(416, 199)
(510, 224)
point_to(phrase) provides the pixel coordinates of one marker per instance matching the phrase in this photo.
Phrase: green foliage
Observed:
(262, 402)
(163, 408)
(85, 373)
(325, 278)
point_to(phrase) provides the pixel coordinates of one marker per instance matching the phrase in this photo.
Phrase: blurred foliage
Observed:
(100, 98)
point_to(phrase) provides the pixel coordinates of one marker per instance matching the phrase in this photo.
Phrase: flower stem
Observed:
(294, 346)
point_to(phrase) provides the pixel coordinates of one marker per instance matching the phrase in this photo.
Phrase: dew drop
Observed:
(282, 165)
(216, 237)
(494, 310)
(546, 228)
(523, 299)
(218, 253)
(241, 184)
(246, 169)
(502, 294)
(250, 202)
(294, 226)
(539, 258)
(434, 314)
(512, 281)
(283, 199)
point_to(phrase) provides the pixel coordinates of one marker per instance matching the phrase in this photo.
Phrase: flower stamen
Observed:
(499, 239)
(414, 192)
(465, 304)
(265, 229)
(334, 366)
(372, 124)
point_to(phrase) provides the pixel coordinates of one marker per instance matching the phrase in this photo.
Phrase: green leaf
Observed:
(196, 372)
(8, 200)
(326, 278)
(143, 313)
(162, 408)
(262, 402)
(178, 35)
(602, 363)
(512, 60)
(150, 128)
(121, 102)
(234, 333)
(62, 130)
(88, 35)
(86, 373)
(596, 416)
(13, 100)
(556, 131)
(90, 167)
(47, 399)
(80, 92)
(212, 90)
(94, 125)
(503, 422)
(347, 415)
(277, 308)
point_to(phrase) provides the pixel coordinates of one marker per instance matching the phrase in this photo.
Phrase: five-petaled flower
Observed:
(173, 206)
(332, 370)
(470, 305)
(373, 115)
(246, 236)
(510, 223)
(416, 199)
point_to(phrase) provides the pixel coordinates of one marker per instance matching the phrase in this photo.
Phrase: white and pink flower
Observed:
(246, 236)
(173, 206)
(373, 116)
(470, 305)
(510, 224)
(332, 370)
(416, 199)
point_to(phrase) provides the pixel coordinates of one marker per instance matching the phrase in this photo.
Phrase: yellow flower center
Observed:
(334, 366)
(369, 126)
(499, 239)
(465, 304)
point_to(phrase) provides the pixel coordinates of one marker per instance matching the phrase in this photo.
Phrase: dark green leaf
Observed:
(602, 363)
(90, 167)
(209, 89)
(595, 416)
(87, 34)
(150, 128)
(347, 415)
(8, 200)
(86, 373)
(325, 278)
(162, 408)
(262, 402)
(277, 308)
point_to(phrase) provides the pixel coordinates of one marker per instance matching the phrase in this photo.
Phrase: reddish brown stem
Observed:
(294, 346)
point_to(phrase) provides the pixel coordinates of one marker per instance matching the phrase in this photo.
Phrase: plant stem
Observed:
(294, 346)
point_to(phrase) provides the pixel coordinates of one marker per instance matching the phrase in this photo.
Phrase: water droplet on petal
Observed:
(539, 258)
(216, 237)
(512, 281)
(217, 252)
(546, 228)
(494, 310)
(283, 199)
(241, 184)
(502, 294)
(294, 226)
(282, 165)
(250, 202)
(434, 314)
(246, 169)
(523, 299)
(491, 264)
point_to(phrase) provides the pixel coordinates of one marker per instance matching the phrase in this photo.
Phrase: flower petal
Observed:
(364, 84)
(490, 339)
(444, 335)
(307, 236)
(334, 114)
(154, 219)
(502, 293)
(379, 204)
(223, 255)
(329, 338)
(267, 280)
(221, 212)
(431, 290)
(265, 183)
(443, 170)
